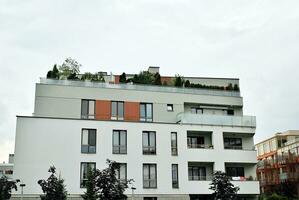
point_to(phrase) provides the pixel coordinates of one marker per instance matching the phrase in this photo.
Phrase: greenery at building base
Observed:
(222, 187)
(53, 187)
(6, 186)
(104, 185)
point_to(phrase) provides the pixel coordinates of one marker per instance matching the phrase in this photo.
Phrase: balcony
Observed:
(150, 88)
(216, 120)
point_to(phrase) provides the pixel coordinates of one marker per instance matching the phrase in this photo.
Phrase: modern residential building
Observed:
(279, 161)
(168, 139)
(6, 169)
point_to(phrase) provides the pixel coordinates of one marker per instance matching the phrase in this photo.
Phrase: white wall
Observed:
(41, 142)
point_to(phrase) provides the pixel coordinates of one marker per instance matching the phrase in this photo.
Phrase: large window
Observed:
(119, 142)
(149, 175)
(174, 144)
(121, 171)
(87, 109)
(196, 173)
(235, 171)
(146, 112)
(233, 143)
(149, 142)
(175, 175)
(117, 110)
(196, 142)
(196, 110)
(88, 141)
(85, 166)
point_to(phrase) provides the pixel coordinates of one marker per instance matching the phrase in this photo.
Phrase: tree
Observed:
(54, 73)
(6, 186)
(187, 83)
(178, 81)
(91, 188)
(110, 188)
(70, 68)
(276, 197)
(157, 78)
(223, 188)
(53, 187)
(123, 78)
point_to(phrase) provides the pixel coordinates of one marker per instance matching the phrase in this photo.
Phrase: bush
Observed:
(277, 197)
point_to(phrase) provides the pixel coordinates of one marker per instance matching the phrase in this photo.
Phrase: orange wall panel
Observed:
(131, 111)
(103, 109)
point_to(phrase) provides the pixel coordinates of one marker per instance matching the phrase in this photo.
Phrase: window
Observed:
(121, 171)
(196, 142)
(235, 171)
(117, 110)
(87, 109)
(197, 110)
(196, 173)
(84, 170)
(8, 172)
(149, 175)
(175, 175)
(230, 112)
(146, 112)
(119, 142)
(233, 143)
(169, 107)
(149, 142)
(174, 144)
(149, 198)
(88, 141)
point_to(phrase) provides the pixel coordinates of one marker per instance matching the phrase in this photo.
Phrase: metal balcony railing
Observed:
(219, 120)
(151, 88)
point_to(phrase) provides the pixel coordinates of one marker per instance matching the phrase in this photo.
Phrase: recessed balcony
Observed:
(216, 120)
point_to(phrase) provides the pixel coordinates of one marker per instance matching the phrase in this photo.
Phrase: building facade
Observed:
(279, 161)
(168, 139)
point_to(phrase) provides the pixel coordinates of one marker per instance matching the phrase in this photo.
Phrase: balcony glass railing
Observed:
(219, 120)
(151, 88)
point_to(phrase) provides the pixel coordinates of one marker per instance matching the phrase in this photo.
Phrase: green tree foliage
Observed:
(187, 83)
(110, 188)
(222, 187)
(178, 81)
(123, 78)
(236, 88)
(97, 77)
(70, 68)
(54, 73)
(6, 186)
(91, 188)
(276, 197)
(144, 77)
(53, 187)
(157, 78)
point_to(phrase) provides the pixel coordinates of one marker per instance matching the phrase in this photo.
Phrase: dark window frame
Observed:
(170, 106)
(119, 146)
(174, 149)
(149, 172)
(175, 183)
(89, 152)
(146, 119)
(118, 168)
(231, 143)
(82, 185)
(117, 114)
(196, 145)
(148, 147)
(94, 112)
(198, 169)
(239, 171)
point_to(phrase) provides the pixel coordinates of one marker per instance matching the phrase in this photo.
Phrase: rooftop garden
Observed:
(70, 70)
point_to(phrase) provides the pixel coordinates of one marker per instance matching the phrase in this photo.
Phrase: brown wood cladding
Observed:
(131, 111)
(103, 109)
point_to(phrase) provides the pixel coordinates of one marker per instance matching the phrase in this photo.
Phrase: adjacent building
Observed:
(279, 161)
(6, 169)
(168, 139)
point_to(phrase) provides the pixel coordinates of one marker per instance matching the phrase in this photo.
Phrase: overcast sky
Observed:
(254, 40)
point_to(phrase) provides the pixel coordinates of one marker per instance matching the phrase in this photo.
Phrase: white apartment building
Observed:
(168, 139)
